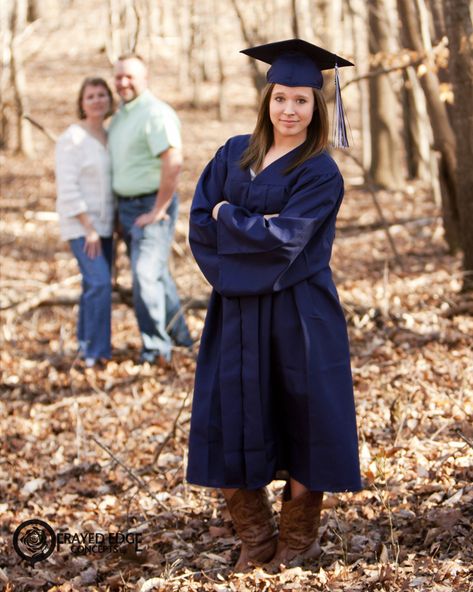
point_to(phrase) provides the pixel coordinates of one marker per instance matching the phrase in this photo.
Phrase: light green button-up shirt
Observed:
(139, 132)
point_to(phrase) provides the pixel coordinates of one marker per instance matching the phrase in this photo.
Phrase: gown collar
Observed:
(279, 161)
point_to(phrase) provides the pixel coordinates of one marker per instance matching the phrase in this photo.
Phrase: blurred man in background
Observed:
(145, 146)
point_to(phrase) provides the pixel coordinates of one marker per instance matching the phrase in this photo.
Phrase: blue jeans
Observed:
(95, 307)
(155, 296)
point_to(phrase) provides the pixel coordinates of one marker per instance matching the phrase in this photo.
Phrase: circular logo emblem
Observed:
(34, 540)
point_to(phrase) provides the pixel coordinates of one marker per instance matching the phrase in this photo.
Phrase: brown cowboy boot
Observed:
(299, 525)
(254, 523)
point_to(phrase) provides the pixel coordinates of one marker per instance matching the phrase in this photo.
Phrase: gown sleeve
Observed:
(203, 228)
(245, 254)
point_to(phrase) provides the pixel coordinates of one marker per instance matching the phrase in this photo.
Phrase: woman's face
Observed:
(291, 109)
(95, 102)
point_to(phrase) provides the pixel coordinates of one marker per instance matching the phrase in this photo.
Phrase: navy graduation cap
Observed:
(295, 62)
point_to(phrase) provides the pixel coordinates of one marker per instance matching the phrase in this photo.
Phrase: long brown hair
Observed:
(262, 137)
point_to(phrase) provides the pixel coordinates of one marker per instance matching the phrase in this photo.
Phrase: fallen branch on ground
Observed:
(382, 219)
(172, 432)
(44, 294)
(464, 438)
(142, 484)
(58, 295)
(355, 229)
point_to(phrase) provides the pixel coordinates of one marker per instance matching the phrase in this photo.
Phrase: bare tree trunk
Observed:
(386, 170)
(196, 74)
(205, 52)
(358, 17)
(183, 26)
(323, 21)
(333, 16)
(444, 139)
(305, 18)
(114, 47)
(17, 77)
(416, 126)
(251, 37)
(152, 28)
(33, 11)
(167, 10)
(124, 27)
(133, 25)
(6, 33)
(222, 95)
(422, 138)
(460, 65)
(294, 20)
(438, 19)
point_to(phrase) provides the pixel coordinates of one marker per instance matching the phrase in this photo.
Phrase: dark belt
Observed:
(133, 197)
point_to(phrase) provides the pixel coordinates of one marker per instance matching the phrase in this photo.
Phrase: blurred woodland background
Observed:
(105, 450)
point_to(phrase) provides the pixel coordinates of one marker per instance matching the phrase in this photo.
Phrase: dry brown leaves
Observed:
(410, 330)
(409, 529)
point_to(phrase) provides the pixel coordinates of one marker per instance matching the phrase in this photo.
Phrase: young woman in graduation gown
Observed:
(273, 387)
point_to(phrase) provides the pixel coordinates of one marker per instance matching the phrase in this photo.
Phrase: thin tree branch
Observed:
(41, 127)
(371, 189)
(142, 484)
(382, 71)
(423, 57)
(172, 432)
(463, 437)
(29, 303)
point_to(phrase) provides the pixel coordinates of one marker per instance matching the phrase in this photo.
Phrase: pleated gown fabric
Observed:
(273, 386)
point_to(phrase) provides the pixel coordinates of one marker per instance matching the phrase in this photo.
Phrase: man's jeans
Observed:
(155, 296)
(95, 307)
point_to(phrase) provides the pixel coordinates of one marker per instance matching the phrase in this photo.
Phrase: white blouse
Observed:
(83, 183)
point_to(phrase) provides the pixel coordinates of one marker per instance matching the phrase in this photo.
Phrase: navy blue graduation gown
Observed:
(273, 386)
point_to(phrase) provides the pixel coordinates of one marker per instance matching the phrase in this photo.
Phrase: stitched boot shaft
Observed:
(254, 523)
(299, 522)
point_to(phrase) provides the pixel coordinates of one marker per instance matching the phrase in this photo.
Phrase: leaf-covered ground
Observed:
(105, 450)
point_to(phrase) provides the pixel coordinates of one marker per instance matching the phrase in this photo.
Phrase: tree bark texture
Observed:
(358, 16)
(438, 20)
(6, 33)
(25, 144)
(222, 78)
(416, 124)
(251, 37)
(124, 27)
(460, 64)
(33, 11)
(195, 51)
(294, 19)
(183, 30)
(444, 138)
(386, 169)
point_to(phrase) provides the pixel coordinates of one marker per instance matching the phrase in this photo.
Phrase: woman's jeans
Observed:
(95, 308)
(155, 296)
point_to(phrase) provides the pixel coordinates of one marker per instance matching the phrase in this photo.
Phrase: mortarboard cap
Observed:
(295, 62)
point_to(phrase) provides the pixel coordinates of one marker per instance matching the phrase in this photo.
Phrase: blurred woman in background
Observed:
(85, 205)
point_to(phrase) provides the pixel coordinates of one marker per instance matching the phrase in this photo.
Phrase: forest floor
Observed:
(105, 451)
